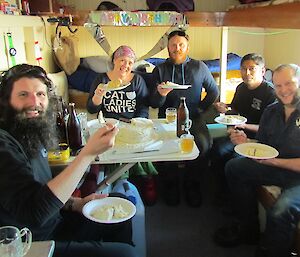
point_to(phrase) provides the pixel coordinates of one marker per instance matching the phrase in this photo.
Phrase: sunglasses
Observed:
(179, 33)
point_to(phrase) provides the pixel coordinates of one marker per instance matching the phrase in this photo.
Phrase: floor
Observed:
(183, 231)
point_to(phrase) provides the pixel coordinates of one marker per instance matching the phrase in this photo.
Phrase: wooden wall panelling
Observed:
(273, 16)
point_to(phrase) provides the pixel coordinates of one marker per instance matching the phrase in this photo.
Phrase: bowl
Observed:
(96, 205)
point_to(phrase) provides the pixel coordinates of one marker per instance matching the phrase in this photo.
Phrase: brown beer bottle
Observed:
(73, 129)
(182, 117)
(61, 128)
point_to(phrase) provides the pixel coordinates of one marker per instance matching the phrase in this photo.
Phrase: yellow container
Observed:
(59, 155)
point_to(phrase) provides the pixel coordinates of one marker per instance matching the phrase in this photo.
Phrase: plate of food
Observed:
(256, 151)
(231, 120)
(135, 136)
(172, 85)
(114, 85)
(109, 210)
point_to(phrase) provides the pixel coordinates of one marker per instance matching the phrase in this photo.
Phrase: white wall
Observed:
(246, 40)
(282, 46)
(25, 31)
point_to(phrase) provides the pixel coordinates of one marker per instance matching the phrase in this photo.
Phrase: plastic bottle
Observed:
(182, 117)
(74, 129)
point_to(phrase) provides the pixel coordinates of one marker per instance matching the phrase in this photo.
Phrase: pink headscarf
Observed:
(124, 51)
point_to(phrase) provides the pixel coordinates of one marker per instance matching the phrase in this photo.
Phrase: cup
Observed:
(188, 125)
(186, 143)
(171, 115)
(11, 244)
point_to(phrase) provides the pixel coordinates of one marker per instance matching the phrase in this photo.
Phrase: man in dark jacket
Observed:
(279, 127)
(179, 68)
(29, 195)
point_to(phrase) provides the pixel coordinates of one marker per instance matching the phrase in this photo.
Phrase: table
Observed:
(41, 249)
(169, 152)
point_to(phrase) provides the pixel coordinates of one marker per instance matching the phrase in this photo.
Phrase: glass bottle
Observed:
(74, 129)
(60, 121)
(61, 128)
(65, 111)
(182, 117)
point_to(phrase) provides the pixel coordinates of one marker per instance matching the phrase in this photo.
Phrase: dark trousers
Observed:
(77, 236)
(193, 167)
(244, 176)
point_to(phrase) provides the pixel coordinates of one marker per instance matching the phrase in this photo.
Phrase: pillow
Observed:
(60, 81)
(148, 66)
(99, 64)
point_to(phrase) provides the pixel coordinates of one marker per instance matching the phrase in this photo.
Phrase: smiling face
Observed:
(178, 49)
(123, 65)
(29, 97)
(252, 73)
(286, 86)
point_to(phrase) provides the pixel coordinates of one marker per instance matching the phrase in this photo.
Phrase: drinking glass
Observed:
(171, 115)
(11, 241)
(82, 116)
(186, 143)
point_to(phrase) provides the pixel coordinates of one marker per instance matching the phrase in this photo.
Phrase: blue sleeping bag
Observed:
(82, 79)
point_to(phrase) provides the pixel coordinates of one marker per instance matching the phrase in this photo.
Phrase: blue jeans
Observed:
(244, 176)
(222, 151)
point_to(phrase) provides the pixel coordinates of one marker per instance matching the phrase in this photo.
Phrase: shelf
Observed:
(205, 19)
(272, 16)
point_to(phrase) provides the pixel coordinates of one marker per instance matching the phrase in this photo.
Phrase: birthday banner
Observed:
(140, 18)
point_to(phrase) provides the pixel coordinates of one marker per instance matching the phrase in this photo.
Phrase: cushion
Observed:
(82, 79)
(99, 64)
(60, 81)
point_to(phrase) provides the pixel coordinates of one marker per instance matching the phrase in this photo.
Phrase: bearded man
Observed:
(29, 195)
(181, 69)
(279, 127)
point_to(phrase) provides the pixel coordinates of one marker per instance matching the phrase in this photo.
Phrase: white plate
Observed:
(256, 151)
(175, 86)
(231, 120)
(94, 125)
(117, 88)
(93, 205)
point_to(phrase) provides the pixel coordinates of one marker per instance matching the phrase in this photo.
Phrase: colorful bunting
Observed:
(141, 18)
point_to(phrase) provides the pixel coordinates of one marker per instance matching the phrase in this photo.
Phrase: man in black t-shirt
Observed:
(252, 96)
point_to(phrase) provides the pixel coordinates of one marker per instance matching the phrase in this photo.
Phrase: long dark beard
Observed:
(32, 133)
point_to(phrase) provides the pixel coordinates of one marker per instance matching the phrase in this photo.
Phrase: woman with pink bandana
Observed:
(130, 102)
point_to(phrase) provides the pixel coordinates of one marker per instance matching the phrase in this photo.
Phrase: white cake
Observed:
(139, 131)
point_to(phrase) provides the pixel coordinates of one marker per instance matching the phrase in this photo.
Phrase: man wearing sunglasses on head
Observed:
(179, 68)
